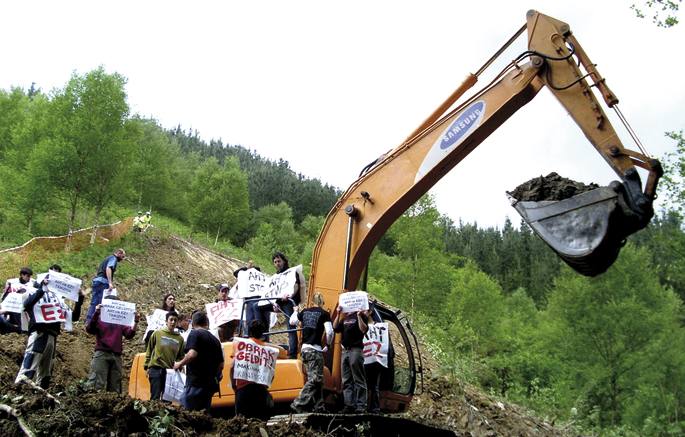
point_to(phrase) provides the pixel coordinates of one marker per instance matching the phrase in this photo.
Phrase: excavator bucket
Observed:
(587, 230)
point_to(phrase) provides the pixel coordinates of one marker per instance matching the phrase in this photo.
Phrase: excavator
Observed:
(587, 231)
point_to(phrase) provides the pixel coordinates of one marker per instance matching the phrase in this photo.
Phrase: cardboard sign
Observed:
(50, 312)
(253, 362)
(376, 344)
(14, 286)
(118, 312)
(155, 321)
(223, 311)
(251, 283)
(283, 284)
(13, 303)
(65, 285)
(353, 301)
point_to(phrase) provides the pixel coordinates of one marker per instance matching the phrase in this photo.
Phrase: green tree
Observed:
(219, 202)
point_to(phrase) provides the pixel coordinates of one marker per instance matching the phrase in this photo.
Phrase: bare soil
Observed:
(550, 187)
(190, 271)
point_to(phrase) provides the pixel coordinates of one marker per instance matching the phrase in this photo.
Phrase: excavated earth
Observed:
(550, 187)
(175, 265)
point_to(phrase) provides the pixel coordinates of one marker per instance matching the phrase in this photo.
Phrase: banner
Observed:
(118, 312)
(353, 301)
(251, 283)
(223, 312)
(65, 285)
(283, 284)
(253, 362)
(376, 344)
(155, 321)
(13, 303)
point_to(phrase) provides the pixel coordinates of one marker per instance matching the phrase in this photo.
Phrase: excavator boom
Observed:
(586, 231)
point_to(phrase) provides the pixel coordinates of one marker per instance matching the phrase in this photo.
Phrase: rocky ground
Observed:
(189, 271)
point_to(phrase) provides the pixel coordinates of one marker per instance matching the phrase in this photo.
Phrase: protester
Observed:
(165, 346)
(288, 302)
(183, 323)
(11, 322)
(105, 367)
(227, 329)
(104, 279)
(353, 327)
(252, 399)
(43, 308)
(316, 332)
(204, 361)
(168, 304)
(374, 372)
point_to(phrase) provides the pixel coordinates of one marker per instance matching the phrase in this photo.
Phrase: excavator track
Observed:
(371, 425)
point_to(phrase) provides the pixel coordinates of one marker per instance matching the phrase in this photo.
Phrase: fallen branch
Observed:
(17, 415)
(38, 388)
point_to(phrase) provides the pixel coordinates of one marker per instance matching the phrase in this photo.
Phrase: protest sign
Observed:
(282, 285)
(376, 344)
(118, 312)
(15, 286)
(155, 321)
(251, 283)
(223, 312)
(353, 301)
(50, 312)
(13, 303)
(253, 362)
(63, 284)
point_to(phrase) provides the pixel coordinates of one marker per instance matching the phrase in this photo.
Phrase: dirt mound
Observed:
(178, 266)
(550, 187)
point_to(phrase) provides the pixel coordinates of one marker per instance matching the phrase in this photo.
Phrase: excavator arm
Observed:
(587, 231)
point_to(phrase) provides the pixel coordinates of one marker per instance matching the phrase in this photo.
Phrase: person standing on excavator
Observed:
(288, 302)
(317, 331)
(353, 327)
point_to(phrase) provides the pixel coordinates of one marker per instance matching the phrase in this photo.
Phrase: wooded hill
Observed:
(497, 306)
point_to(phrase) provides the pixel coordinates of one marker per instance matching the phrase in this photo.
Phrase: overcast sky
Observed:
(331, 85)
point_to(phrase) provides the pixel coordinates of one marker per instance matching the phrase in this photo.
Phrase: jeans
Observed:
(311, 395)
(38, 359)
(287, 307)
(254, 312)
(197, 397)
(354, 379)
(96, 298)
(157, 377)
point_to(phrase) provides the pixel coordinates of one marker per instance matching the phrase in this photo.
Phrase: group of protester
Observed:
(176, 345)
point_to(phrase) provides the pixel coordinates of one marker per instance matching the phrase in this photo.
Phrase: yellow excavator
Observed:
(587, 230)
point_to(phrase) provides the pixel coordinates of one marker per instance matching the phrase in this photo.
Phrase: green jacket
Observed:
(163, 349)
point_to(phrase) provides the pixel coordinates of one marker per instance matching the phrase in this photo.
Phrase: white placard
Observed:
(251, 283)
(253, 362)
(155, 321)
(376, 344)
(15, 286)
(353, 301)
(50, 312)
(223, 311)
(64, 285)
(13, 303)
(118, 312)
(283, 284)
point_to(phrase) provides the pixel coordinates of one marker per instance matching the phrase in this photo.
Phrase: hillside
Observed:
(173, 264)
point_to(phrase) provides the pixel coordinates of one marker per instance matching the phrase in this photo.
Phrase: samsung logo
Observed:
(467, 121)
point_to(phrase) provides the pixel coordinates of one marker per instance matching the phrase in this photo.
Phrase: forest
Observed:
(496, 306)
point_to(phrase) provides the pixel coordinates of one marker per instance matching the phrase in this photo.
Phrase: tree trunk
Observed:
(216, 240)
(98, 210)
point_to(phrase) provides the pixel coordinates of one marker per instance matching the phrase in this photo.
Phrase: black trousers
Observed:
(157, 377)
(254, 400)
